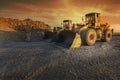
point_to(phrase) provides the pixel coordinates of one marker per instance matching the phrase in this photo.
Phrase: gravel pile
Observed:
(47, 61)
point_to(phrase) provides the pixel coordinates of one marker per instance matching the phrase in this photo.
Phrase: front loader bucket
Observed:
(68, 39)
(48, 35)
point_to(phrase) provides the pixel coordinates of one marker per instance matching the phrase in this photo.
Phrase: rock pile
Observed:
(25, 25)
(30, 30)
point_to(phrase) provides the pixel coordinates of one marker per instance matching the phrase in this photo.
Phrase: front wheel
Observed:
(89, 36)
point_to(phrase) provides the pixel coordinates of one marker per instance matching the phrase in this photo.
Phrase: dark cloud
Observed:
(106, 5)
(56, 10)
(4, 4)
(28, 6)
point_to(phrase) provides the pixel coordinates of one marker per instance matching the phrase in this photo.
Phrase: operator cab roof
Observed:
(92, 13)
(67, 20)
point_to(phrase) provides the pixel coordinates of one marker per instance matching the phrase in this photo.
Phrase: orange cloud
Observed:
(54, 11)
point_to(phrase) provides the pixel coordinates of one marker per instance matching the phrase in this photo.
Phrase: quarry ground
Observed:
(47, 61)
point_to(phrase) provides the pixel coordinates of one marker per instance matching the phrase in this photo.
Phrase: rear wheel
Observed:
(89, 36)
(107, 36)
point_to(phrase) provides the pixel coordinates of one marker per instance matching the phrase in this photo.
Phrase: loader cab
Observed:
(67, 24)
(92, 18)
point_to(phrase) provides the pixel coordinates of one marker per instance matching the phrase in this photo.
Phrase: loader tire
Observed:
(107, 36)
(89, 36)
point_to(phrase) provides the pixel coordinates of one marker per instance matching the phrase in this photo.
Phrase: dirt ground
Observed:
(47, 61)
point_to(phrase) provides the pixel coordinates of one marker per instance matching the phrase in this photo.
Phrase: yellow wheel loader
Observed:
(73, 35)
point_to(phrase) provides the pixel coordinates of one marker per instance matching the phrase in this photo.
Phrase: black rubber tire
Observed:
(107, 36)
(86, 36)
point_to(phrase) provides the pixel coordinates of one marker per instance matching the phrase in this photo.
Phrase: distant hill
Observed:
(8, 24)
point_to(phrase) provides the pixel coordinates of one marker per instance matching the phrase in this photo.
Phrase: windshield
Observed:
(90, 19)
(65, 23)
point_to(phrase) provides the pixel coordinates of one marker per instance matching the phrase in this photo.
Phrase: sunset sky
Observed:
(54, 11)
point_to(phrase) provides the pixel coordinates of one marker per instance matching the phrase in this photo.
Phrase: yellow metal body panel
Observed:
(76, 42)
